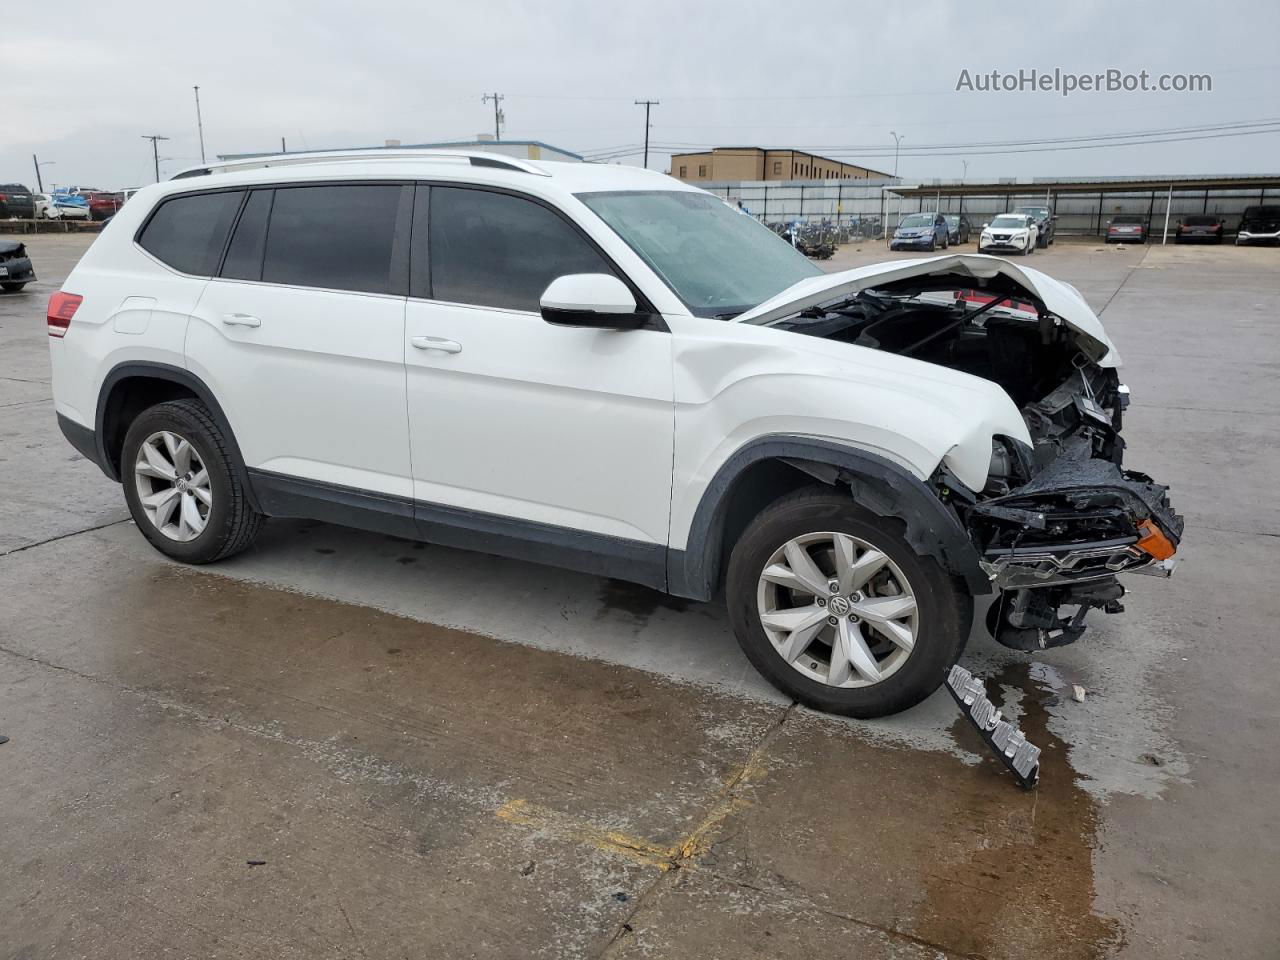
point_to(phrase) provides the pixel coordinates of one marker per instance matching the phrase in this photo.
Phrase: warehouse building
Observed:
(760, 163)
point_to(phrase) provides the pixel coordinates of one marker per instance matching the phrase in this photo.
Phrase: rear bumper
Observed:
(84, 439)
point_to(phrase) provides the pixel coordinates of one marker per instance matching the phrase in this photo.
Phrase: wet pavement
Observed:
(348, 745)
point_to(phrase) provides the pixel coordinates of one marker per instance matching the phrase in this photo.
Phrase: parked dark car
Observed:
(1199, 227)
(958, 228)
(103, 205)
(1127, 228)
(921, 231)
(16, 201)
(1259, 225)
(1045, 220)
(15, 266)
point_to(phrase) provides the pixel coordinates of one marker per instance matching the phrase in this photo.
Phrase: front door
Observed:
(521, 429)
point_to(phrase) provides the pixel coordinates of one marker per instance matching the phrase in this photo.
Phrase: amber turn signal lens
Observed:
(1154, 542)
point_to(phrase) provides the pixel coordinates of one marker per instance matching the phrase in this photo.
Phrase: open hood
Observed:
(1060, 299)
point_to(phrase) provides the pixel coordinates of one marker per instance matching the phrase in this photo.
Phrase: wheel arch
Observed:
(133, 386)
(770, 467)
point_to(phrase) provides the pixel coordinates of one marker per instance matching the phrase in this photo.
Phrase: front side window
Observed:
(339, 237)
(717, 261)
(188, 232)
(244, 256)
(497, 250)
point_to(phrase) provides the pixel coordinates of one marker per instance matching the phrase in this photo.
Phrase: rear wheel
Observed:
(181, 486)
(833, 606)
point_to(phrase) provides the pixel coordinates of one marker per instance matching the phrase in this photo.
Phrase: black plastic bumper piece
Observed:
(82, 438)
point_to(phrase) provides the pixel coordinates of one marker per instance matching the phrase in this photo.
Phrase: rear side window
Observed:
(244, 256)
(495, 250)
(340, 237)
(188, 232)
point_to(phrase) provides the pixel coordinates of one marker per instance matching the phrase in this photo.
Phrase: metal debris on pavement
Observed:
(1014, 750)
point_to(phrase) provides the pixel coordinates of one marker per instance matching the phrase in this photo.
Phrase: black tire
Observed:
(944, 602)
(12, 287)
(232, 523)
(933, 245)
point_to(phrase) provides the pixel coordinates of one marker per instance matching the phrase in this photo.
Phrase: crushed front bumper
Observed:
(1062, 539)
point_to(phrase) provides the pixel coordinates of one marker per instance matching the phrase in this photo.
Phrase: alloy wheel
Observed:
(837, 609)
(173, 486)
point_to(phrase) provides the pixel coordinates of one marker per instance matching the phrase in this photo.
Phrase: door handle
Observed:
(241, 320)
(436, 343)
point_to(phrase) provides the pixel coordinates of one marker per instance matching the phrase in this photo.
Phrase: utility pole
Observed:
(283, 148)
(199, 122)
(646, 104)
(155, 138)
(896, 140)
(39, 181)
(498, 116)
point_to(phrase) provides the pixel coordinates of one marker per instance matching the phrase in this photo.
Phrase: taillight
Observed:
(62, 307)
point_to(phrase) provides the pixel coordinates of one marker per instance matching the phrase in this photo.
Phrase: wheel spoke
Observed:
(863, 569)
(806, 572)
(855, 648)
(191, 519)
(166, 508)
(883, 614)
(182, 456)
(801, 624)
(159, 467)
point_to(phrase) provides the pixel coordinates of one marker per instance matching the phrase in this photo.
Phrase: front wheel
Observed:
(833, 606)
(12, 287)
(181, 486)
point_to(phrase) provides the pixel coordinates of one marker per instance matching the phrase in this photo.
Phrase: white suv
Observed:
(602, 368)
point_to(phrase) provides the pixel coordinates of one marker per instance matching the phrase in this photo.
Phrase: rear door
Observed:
(510, 416)
(301, 335)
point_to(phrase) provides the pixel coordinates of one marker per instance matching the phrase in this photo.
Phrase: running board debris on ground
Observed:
(1007, 742)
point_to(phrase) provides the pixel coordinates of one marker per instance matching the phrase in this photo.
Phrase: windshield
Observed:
(717, 261)
(1008, 223)
(1034, 211)
(1127, 220)
(953, 220)
(1200, 221)
(917, 220)
(1262, 213)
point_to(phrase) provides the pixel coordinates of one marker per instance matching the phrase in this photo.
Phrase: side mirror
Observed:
(597, 300)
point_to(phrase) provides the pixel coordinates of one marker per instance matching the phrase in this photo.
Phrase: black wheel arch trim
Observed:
(876, 483)
(182, 377)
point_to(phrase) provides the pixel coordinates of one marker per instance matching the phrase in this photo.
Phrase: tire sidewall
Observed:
(171, 417)
(944, 618)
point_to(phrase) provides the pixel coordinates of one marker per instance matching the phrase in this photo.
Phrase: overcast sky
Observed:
(82, 87)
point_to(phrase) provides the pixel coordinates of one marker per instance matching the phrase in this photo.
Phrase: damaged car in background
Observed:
(1058, 518)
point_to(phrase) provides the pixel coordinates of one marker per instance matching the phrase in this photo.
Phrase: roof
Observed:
(533, 176)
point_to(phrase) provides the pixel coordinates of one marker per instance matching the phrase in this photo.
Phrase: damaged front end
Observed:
(1060, 518)
(1058, 521)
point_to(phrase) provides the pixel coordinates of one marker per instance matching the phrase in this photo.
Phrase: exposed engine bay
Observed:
(1057, 520)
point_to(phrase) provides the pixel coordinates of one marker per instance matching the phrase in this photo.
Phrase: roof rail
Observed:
(475, 158)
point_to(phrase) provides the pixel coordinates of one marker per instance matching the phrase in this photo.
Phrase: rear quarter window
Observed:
(188, 232)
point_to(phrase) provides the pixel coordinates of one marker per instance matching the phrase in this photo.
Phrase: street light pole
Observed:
(199, 123)
(896, 140)
(39, 181)
(155, 138)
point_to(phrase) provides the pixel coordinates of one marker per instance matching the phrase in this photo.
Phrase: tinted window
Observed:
(496, 250)
(188, 232)
(244, 256)
(339, 237)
